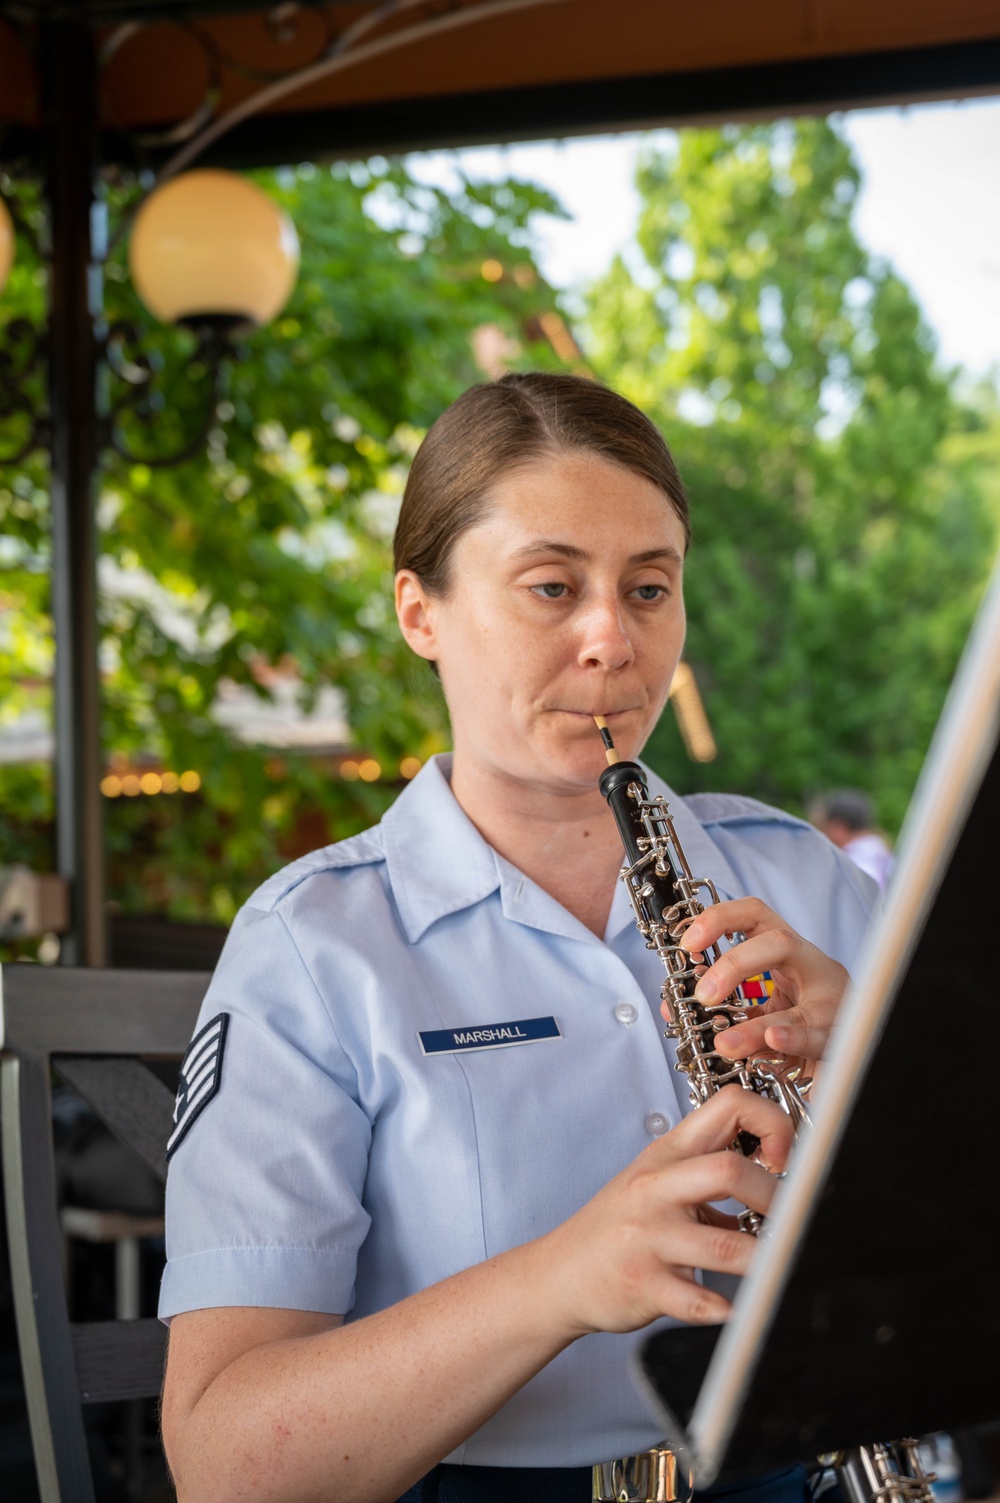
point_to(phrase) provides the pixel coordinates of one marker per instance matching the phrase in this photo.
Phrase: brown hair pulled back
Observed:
(500, 426)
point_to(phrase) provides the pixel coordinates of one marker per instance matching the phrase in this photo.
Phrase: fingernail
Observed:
(732, 1036)
(687, 943)
(779, 1037)
(707, 989)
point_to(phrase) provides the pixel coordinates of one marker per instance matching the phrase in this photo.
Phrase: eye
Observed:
(552, 589)
(651, 591)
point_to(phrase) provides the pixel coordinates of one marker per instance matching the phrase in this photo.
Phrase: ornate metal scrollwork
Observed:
(284, 23)
(24, 426)
(130, 373)
(373, 33)
(135, 369)
(135, 397)
(203, 111)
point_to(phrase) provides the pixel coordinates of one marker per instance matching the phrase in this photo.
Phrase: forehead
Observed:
(580, 502)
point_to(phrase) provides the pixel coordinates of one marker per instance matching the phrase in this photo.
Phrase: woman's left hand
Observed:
(808, 986)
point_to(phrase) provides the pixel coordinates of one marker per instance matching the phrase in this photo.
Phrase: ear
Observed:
(415, 613)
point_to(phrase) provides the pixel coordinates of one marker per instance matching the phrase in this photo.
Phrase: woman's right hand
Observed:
(629, 1255)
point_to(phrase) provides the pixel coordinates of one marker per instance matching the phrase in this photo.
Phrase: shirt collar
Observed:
(526, 903)
(438, 862)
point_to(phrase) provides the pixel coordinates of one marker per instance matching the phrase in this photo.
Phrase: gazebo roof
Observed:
(428, 74)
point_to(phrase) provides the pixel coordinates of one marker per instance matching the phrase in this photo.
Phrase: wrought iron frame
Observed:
(25, 349)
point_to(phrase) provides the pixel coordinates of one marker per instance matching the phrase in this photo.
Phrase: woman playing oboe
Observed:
(433, 1174)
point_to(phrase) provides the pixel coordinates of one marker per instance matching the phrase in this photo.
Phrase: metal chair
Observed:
(93, 1028)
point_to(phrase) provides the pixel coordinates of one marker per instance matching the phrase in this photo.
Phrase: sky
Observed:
(930, 203)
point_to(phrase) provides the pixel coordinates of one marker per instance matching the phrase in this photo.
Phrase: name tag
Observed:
(489, 1036)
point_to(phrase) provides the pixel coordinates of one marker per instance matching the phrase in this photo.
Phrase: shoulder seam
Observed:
(328, 858)
(327, 1013)
(743, 810)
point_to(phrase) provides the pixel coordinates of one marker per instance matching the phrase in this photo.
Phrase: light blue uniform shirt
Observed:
(338, 1167)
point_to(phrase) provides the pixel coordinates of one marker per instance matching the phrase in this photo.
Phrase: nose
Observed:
(604, 638)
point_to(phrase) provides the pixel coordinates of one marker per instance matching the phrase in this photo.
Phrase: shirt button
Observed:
(626, 1012)
(657, 1124)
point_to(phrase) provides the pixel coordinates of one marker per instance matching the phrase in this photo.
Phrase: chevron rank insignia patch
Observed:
(201, 1076)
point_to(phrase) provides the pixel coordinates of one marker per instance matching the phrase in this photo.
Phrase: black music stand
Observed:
(872, 1311)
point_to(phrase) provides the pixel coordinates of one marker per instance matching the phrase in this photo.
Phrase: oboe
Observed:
(666, 898)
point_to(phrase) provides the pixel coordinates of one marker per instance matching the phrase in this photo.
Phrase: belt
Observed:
(573, 1484)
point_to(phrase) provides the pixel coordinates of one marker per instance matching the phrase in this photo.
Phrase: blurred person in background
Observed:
(847, 818)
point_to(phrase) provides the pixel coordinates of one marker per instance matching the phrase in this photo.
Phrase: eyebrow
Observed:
(570, 550)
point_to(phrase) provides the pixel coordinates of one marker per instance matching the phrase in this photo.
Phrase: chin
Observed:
(574, 757)
(578, 764)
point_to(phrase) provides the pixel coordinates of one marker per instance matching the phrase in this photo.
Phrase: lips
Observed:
(607, 714)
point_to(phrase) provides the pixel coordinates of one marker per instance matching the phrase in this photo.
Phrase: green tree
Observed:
(839, 548)
(273, 548)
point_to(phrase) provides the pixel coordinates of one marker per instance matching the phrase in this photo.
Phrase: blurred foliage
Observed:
(845, 498)
(272, 550)
(844, 493)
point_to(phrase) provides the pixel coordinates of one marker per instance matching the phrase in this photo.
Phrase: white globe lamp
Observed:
(211, 250)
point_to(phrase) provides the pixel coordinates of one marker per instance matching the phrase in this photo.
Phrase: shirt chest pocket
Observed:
(549, 1130)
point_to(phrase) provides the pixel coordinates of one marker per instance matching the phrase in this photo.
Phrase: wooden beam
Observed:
(538, 112)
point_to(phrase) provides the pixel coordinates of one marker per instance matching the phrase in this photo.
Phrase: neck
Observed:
(566, 842)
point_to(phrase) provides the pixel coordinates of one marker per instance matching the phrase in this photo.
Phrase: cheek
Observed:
(482, 660)
(664, 655)
(678, 631)
(517, 637)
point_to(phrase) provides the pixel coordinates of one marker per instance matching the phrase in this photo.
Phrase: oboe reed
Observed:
(609, 745)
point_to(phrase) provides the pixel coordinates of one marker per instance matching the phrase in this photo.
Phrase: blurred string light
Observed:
(692, 720)
(524, 273)
(131, 784)
(368, 770)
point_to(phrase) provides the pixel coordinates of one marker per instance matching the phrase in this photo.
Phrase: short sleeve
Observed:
(264, 1187)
